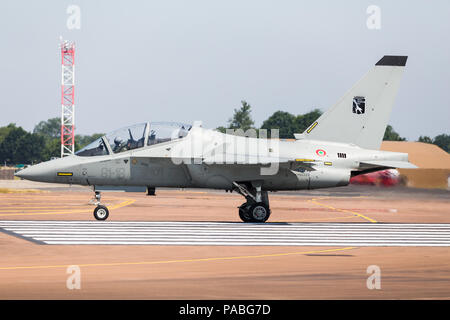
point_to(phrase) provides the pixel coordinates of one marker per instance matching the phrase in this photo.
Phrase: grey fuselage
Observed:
(300, 164)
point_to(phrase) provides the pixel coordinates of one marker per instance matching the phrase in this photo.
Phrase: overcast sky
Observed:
(196, 60)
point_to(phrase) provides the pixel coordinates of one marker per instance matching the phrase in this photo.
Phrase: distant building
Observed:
(433, 163)
(7, 173)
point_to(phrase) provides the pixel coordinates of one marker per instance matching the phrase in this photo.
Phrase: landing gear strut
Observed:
(101, 212)
(256, 208)
(151, 191)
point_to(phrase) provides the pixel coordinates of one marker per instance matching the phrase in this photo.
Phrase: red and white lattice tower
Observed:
(67, 98)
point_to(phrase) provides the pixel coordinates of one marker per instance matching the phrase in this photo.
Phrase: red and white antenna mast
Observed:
(67, 98)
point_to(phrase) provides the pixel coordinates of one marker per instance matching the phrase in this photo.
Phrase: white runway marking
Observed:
(229, 234)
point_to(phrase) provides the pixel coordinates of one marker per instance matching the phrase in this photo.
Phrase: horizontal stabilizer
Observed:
(387, 164)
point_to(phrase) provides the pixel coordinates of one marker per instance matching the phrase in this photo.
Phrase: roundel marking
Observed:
(321, 152)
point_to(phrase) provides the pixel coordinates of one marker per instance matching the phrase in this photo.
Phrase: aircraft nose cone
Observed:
(20, 174)
(55, 171)
(38, 172)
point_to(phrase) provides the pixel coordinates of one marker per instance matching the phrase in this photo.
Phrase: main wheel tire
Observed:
(259, 212)
(101, 213)
(244, 213)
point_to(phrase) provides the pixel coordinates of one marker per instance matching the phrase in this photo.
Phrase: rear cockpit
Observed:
(134, 137)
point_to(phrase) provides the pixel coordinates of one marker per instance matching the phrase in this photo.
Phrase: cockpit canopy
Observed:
(133, 137)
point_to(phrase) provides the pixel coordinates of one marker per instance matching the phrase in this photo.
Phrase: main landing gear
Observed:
(256, 209)
(101, 212)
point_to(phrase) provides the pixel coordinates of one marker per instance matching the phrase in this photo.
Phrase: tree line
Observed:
(18, 146)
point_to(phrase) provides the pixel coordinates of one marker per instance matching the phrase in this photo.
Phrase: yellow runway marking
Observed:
(22, 208)
(180, 261)
(119, 205)
(19, 191)
(17, 210)
(340, 210)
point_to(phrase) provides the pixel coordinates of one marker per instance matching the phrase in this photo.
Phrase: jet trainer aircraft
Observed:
(342, 143)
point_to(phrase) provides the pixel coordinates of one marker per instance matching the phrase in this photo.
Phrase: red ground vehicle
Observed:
(385, 178)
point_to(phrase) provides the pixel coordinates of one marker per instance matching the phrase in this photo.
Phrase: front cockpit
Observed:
(133, 137)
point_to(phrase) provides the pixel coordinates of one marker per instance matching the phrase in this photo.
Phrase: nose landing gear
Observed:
(101, 212)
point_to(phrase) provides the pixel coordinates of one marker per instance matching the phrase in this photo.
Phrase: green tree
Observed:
(9, 137)
(283, 121)
(52, 149)
(442, 141)
(288, 124)
(391, 135)
(4, 131)
(19, 146)
(30, 149)
(221, 129)
(425, 139)
(50, 131)
(50, 128)
(241, 118)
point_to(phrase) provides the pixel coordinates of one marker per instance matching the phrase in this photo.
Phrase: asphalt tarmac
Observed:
(189, 244)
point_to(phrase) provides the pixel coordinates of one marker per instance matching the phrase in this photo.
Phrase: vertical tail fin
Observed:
(361, 116)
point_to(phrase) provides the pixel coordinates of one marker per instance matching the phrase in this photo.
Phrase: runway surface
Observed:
(357, 226)
(229, 234)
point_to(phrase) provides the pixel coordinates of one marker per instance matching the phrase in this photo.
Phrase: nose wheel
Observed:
(101, 212)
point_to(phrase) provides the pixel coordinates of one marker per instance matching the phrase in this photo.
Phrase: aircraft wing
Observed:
(386, 164)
